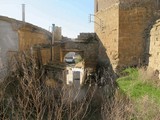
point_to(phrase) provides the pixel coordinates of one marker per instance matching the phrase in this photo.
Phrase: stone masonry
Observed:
(122, 27)
(86, 45)
(17, 36)
(154, 50)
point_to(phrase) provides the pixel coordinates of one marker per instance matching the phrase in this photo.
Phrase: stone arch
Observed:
(86, 45)
(65, 51)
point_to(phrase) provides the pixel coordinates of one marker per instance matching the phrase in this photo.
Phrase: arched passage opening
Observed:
(74, 67)
(72, 58)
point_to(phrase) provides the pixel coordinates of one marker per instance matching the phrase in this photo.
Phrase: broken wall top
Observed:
(20, 25)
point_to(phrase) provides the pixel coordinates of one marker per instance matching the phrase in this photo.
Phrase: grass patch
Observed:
(144, 92)
(136, 88)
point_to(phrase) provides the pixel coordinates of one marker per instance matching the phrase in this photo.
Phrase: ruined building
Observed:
(49, 48)
(86, 45)
(126, 34)
(17, 36)
(129, 32)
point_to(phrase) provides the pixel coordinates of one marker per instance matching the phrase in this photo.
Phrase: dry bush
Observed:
(146, 109)
(119, 108)
(144, 74)
(148, 76)
(29, 95)
(122, 108)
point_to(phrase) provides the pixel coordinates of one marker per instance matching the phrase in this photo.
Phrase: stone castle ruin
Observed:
(129, 32)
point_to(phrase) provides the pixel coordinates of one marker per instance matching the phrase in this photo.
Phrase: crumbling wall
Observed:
(122, 29)
(30, 35)
(18, 36)
(87, 44)
(154, 51)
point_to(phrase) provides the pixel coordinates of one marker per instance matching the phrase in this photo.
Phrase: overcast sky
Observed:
(71, 15)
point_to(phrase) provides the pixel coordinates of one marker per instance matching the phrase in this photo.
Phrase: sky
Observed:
(71, 15)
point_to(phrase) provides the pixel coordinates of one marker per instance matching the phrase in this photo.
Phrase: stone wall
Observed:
(154, 51)
(122, 29)
(46, 55)
(86, 45)
(56, 72)
(17, 36)
(133, 23)
(107, 29)
(30, 35)
(56, 53)
(103, 4)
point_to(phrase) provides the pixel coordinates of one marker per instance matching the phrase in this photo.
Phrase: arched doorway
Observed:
(75, 68)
